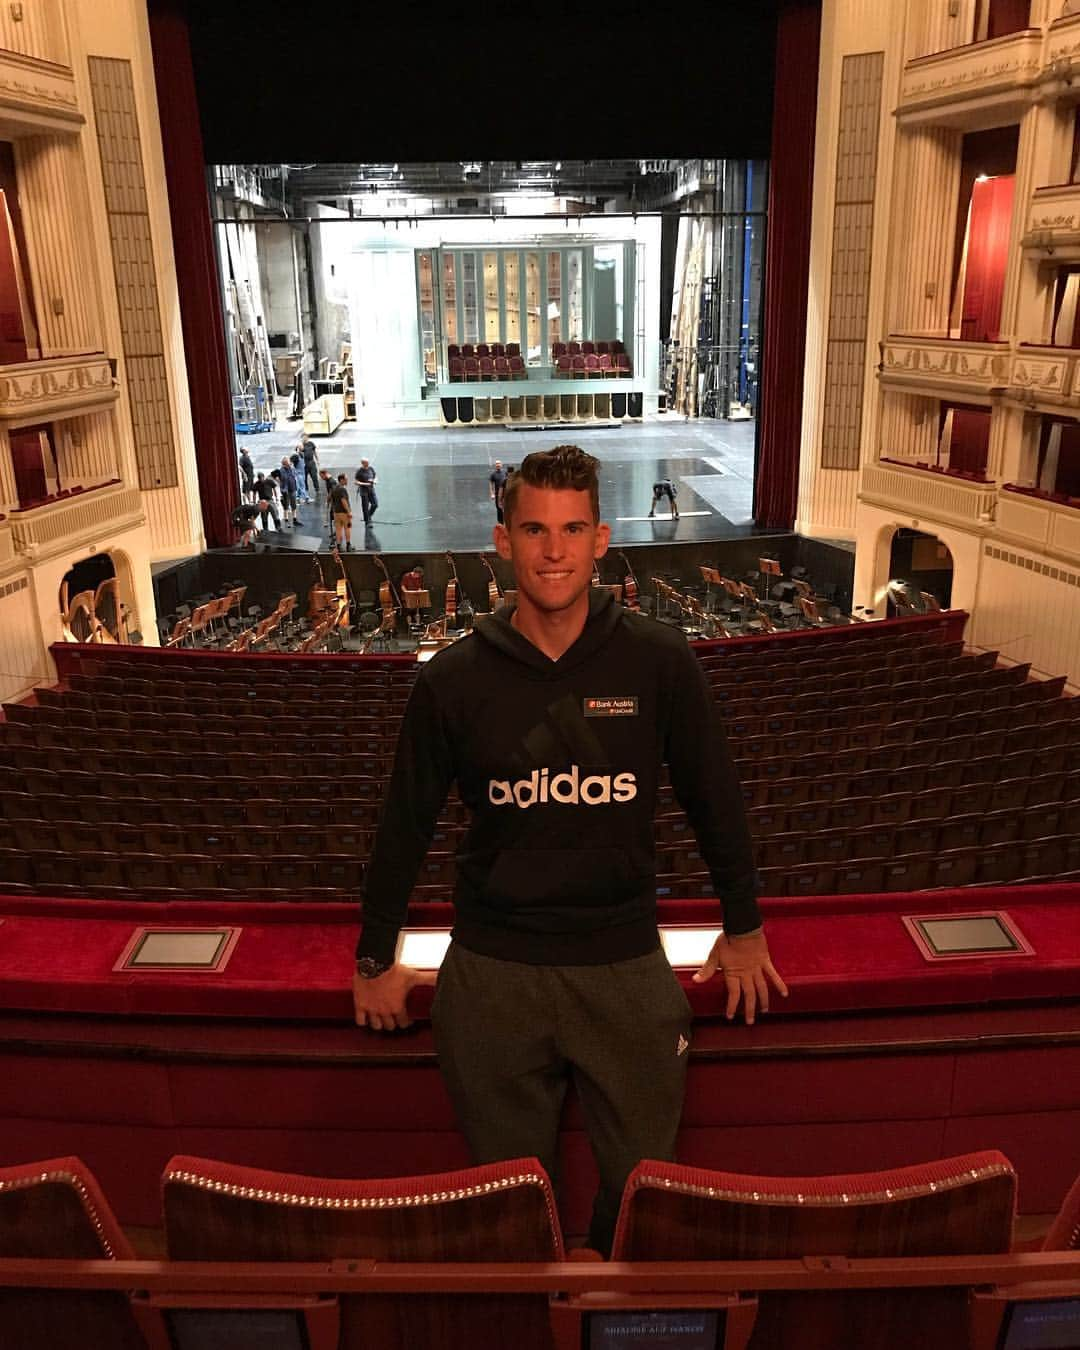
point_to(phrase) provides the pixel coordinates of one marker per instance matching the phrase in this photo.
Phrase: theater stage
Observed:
(433, 483)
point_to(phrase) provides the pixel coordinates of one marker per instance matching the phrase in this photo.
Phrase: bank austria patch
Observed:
(610, 707)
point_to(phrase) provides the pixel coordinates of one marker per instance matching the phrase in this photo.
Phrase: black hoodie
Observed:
(557, 762)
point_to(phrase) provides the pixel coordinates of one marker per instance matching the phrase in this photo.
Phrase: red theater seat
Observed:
(55, 1210)
(955, 1207)
(215, 1211)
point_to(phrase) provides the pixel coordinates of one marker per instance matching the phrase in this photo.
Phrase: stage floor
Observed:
(433, 482)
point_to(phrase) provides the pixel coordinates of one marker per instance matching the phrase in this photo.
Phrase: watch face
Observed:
(368, 967)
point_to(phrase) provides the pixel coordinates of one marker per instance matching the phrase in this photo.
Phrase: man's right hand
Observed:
(381, 1003)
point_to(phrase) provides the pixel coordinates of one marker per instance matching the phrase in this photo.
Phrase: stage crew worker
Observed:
(554, 718)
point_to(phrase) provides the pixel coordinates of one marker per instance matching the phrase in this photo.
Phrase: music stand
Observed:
(414, 602)
(767, 567)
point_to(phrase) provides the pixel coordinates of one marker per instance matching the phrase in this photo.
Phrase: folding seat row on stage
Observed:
(919, 1255)
(586, 348)
(583, 366)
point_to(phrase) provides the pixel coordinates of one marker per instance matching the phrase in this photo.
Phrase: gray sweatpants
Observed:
(512, 1036)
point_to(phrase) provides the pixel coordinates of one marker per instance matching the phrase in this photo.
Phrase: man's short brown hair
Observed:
(564, 467)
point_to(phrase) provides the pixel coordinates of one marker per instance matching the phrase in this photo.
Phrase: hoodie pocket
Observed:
(577, 876)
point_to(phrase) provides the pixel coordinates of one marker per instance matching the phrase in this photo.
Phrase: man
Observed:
(311, 463)
(266, 496)
(243, 519)
(496, 481)
(554, 719)
(366, 478)
(342, 512)
(329, 482)
(247, 475)
(288, 485)
(664, 488)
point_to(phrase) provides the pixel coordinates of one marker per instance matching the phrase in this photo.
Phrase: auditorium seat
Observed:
(216, 1211)
(954, 1207)
(54, 1210)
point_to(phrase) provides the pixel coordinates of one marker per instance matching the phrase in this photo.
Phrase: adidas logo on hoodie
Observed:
(564, 789)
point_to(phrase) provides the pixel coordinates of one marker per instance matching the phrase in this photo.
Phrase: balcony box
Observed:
(1039, 523)
(45, 391)
(941, 368)
(938, 496)
(68, 524)
(979, 85)
(36, 97)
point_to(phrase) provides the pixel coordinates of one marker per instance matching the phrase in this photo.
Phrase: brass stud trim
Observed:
(78, 1186)
(844, 1198)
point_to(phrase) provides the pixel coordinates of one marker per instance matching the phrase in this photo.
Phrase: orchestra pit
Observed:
(274, 357)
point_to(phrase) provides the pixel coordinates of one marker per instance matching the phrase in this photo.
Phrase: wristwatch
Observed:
(370, 968)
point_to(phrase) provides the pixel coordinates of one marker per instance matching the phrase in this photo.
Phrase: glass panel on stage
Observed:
(533, 304)
(512, 284)
(491, 298)
(426, 291)
(470, 313)
(575, 318)
(449, 297)
(554, 299)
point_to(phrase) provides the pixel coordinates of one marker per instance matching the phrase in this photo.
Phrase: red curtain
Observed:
(787, 263)
(1008, 16)
(969, 445)
(987, 256)
(197, 271)
(28, 461)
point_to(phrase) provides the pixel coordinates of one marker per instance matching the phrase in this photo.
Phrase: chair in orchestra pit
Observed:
(472, 368)
(621, 363)
(513, 349)
(573, 348)
(216, 1211)
(468, 349)
(452, 351)
(482, 349)
(502, 367)
(588, 348)
(54, 1210)
(592, 364)
(562, 366)
(457, 368)
(605, 369)
(577, 364)
(961, 1206)
(497, 349)
(603, 348)
(517, 367)
(558, 349)
(487, 367)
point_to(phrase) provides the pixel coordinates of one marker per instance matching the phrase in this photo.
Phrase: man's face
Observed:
(552, 542)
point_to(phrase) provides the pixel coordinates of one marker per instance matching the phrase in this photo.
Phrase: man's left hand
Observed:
(748, 971)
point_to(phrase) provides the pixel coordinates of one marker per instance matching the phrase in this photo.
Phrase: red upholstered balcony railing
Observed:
(1058, 498)
(63, 495)
(966, 475)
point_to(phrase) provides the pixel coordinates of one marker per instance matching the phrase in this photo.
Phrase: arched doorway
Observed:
(920, 574)
(94, 600)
